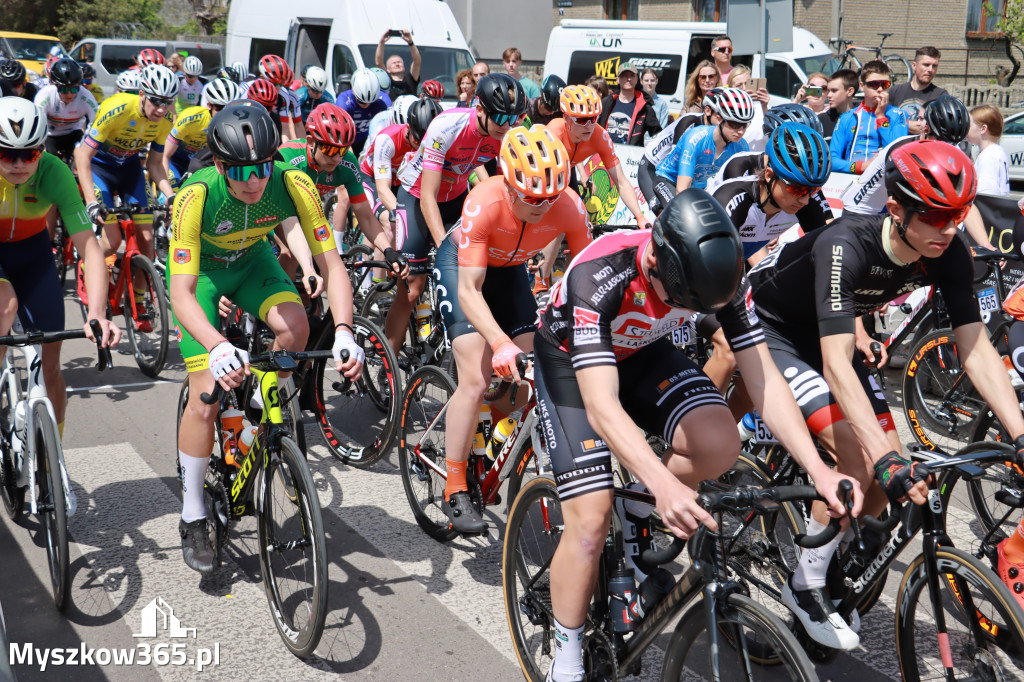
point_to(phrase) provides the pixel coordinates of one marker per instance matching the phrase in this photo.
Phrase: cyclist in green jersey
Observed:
(222, 217)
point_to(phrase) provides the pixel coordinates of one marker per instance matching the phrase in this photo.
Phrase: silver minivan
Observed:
(110, 56)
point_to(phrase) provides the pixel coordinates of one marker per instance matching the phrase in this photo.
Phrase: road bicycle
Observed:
(724, 635)
(421, 453)
(31, 456)
(271, 482)
(138, 292)
(846, 58)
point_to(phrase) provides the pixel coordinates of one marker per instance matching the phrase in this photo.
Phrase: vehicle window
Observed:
(209, 56)
(344, 62)
(85, 52)
(584, 64)
(781, 80)
(117, 58)
(261, 47)
(33, 48)
(1014, 127)
(439, 63)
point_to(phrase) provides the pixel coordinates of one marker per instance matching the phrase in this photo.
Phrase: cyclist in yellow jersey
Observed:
(188, 136)
(108, 161)
(88, 76)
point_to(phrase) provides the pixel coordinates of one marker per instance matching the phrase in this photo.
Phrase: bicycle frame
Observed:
(131, 249)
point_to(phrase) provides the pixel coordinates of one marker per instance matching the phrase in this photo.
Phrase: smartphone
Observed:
(813, 90)
(757, 83)
(395, 33)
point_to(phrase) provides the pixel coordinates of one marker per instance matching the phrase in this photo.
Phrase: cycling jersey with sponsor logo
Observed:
(121, 130)
(190, 132)
(23, 207)
(61, 118)
(385, 154)
(213, 230)
(189, 95)
(599, 143)
(295, 154)
(661, 145)
(695, 156)
(453, 146)
(604, 309)
(867, 194)
(860, 134)
(489, 234)
(361, 116)
(853, 271)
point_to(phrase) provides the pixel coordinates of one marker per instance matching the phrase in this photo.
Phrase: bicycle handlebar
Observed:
(128, 210)
(277, 361)
(387, 285)
(522, 362)
(34, 337)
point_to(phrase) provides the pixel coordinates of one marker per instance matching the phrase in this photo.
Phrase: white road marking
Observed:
(107, 387)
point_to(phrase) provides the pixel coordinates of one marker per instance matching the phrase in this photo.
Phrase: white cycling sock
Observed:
(193, 471)
(568, 663)
(814, 562)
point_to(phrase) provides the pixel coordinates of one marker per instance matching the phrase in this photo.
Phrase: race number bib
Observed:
(762, 434)
(683, 336)
(987, 303)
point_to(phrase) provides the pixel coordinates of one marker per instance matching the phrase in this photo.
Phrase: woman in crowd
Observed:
(649, 82)
(705, 77)
(816, 103)
(466, 86)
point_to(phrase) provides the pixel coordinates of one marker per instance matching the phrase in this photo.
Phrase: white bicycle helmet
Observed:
(193, 66)
(128, 81)
(365, 86)
(400, 112)
(22, 124)
(158, 81)
(221, 91)
(316, 79)
(241, 69)
(382, 77)
(732, 104)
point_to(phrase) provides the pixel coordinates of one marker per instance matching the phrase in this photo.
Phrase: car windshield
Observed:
(439, 63)
(815, 63)
(33, 48)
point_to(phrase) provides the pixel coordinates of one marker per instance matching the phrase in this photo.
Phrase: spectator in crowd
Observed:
(841, 88)
(702, 79)
(175, 61)
(628, 115)
(480, 69)
(649, 83)
(754, 135)
(402, 82)
(512, 58)
(548, 106)
(862, 132)
(466, 86)
(721, 54)
(599, 85)
(816, 103)
(920, 89)
(992, 164)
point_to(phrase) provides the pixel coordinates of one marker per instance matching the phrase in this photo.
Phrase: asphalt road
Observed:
(402, 606)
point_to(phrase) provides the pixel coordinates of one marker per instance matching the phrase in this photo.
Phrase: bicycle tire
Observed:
(299, 621)
(981, 492)
(756, 622)
(899, 67)
(941, 418)
(148, 347)
(60, 246)
(52, 503)
(1003, 617)
(376, 305)
(359, 420)
(426, 395)
(531, 536)
(12, 494)
(359, 277)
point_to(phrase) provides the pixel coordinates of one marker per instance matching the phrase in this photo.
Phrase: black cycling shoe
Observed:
(462, 515)
(196, 547)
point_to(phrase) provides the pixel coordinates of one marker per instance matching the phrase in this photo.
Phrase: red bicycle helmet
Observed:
(930, 175)
(330, 124)
(432, 89)
(150, 56)
(276, 70)
(264, 92)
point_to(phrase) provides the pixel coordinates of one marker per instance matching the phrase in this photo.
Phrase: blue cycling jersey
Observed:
(307, 103)
(859, 135)
(361, 116)
(694, 156)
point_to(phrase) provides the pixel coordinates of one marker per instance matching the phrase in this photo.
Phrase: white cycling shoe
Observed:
(817, 614)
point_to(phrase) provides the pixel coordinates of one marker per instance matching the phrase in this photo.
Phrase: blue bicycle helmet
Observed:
(791, 112)
(799, 155)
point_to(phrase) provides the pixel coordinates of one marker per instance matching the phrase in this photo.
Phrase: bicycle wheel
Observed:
(981, 493)
(359, 419)
(421, 448)
(939, 400)
(376, 305)
(145, 316)
(899, 67)
(531, 535)
(52, 503)
(60, 248)
(985, 626)
(292, 548)
(740, 621)
(360, 278)
(13, 496)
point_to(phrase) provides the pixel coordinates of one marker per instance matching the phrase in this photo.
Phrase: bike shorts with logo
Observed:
(658, 386)
(28, 266)
(657, 190)
(128, 182)
(255, 282)
(801, 364)
(63, 146)
(414, 240)
(507, 291)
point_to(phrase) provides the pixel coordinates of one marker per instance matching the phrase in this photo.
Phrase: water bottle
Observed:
(19, 416)
(245, 441)
(502, 430)
(230, 427)
(621, 589)
(423, 315)
(483, 431)
(651, 591)
(746, 427)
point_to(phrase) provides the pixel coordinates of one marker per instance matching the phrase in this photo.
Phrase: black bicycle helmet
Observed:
(420, 114)
(791, 112)
(499, 93)
(947, 119)
(88, 71)
(699, 255)
(243, 132)
(12, 71)
(66, 72)
(551, 92)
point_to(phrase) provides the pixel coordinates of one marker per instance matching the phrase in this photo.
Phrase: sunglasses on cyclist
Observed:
(798, 190)
(504, 119)
(15, 155)
(67, 89)
(331, 150)
(582, 120)
(160, 101)
(735, 125)
(242, 173)
(535, 201)
(940, 217)
(879, 85)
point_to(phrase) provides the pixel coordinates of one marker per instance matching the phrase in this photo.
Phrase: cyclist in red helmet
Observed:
(432, 89)
(266, 93)
(276, 70)
(149, 56)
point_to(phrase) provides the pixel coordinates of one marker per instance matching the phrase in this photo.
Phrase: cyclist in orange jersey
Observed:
(485, 289)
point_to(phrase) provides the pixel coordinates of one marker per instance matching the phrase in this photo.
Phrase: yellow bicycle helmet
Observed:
(534, 161)
(580, 100)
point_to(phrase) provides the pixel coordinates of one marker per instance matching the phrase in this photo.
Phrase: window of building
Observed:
(710, 10)
(621, 9)
(983, 17)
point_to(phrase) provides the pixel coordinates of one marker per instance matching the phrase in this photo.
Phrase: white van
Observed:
(342, 36)
(579, 48)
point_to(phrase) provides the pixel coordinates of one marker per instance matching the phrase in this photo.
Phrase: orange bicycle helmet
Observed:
(534, 161)
(580, 100)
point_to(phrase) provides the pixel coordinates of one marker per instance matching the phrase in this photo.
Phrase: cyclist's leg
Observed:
(664, 189)
(415, 245)
(510, 298)
(646, 176)
(105, 180)
(134, 189)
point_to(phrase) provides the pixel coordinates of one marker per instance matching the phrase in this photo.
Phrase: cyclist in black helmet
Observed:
(13, 75)
(546, 107)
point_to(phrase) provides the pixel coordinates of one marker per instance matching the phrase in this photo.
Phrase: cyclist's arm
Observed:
(628, 194)
(96, 276)
(481, 174)
(295, 238)
(687, 162)
(386, 194)
(371, 227)
(169, 149)
(430, 183)
(471, 299)
(83, 164)
(988, 374)
(158, 175)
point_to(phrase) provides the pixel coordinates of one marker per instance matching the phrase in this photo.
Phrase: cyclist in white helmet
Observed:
(362, 103)
(314, 92)
(190, 83)
(128, 81)
(395, 115)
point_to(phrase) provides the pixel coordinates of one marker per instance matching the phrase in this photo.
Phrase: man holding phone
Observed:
(402, 82)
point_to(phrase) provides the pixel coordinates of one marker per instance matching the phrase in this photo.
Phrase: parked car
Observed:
(30, 49)
(1013, 142)
(110, 56)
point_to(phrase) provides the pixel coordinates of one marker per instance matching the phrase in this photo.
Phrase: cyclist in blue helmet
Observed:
(790, 112)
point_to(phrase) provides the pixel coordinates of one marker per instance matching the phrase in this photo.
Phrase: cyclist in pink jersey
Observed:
(435, 181)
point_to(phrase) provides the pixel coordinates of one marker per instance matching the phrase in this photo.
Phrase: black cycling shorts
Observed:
(414, 240)
(801, 364)
(657, 190)
(658, 386)
(28, 265)
(63, 146)
(508, 292)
